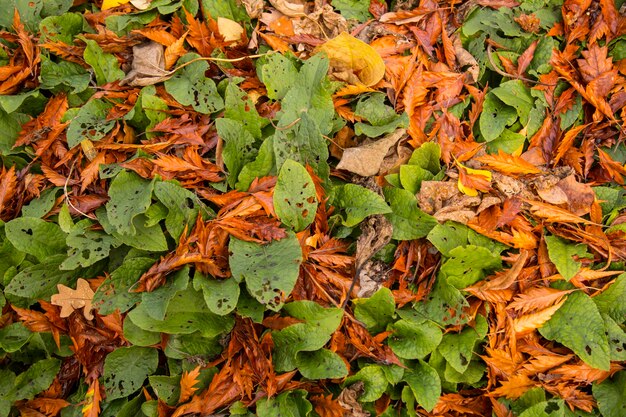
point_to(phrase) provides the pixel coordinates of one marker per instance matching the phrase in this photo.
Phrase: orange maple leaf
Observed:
(509, 164)
(187, 382)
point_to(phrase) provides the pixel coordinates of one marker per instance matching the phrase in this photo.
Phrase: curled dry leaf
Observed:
(141, 4)
(366, 160)
(289, 8)
(70, 300)
(148, 66)
(353, 61)
(348, 399)
(254, 8)
(465, 59)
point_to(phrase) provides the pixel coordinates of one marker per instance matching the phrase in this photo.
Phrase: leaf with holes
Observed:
(126, 369)
(294, 196)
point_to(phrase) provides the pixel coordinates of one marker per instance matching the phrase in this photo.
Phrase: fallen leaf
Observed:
(70, 300)
(353, 61)
(174, 51)
(366, 160)
(141, 4)
(148, 66)
(109, 4)
(473, 180)
(92, 398)
(188, 380)
(326, 406)
(465, 59)
(230, 30)
(525, 324)
(509, 164)
(349, 400)
(289, 8)
(254, 8)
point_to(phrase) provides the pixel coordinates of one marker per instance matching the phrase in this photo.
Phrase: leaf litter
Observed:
(312, 208)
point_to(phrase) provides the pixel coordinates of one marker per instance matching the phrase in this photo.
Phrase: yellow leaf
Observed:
(354, 61)
(229, 29)
(109, 4)
(472, 180)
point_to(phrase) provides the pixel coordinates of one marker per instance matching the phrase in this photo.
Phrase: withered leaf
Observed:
(70, 300)
(148, 66)
(366, 160)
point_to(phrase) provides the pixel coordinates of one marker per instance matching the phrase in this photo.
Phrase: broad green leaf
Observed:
(313, 334)
(610, 301)
(220, 295)
(146, 238)
(90, 123)
(105, 66)
(353, 9)
(508, 141)
(239, 146)
(561, 252)
(444, 305)
(413, 339)
(374, 382)
(126, 369)
(552, 408)
(617, 339)
(10, 127)
(295, 201)
(10, 257)
(35, 379)
(262, 165)
(359, 202)
(13, 337)
(376, 311)
(184, 346)
(87, 247)
(445, 237)
(248, 306)
(408, 221)
(469, 264)
(167, 388)
(515, 94)
(427, 157)
(288, 404)
(279, 75)
(229, 9)
(155, 302)
(7, 379)
(610, 395)
(302, 142)
(41, 206)
(129, 196)
(32, 102)
(35, 236)
(40, 281)
(182, 207)
(186, 313)
(495, 117)
(472, 375)
(190, 87)
(321, 364)
(411, 177)
(239, 107)
(458, 348)
(373, 109)
(138, 336)
(591, 345)
(29, 11)
(374, 131)
(115, 292)
(424, 383)
(63, 27)
(270, 270)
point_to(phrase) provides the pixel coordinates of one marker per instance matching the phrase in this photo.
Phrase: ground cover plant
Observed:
(331, 208)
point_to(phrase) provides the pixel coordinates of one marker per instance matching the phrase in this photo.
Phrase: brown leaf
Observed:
(465, 59)
(514, 388)
(595, 63)
(294, 8)
(554, 214)
(536, 298)
(148, 66)
(326, 406)
(70, 300)
(48, 406)
(349, 400)
(230, 30)
(93, 398)
(173, 51)
(366, 160)
(188, 380)
(8, 183)
(525, 324)
(509, 164)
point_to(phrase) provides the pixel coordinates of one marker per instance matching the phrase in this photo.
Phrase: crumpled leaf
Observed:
(230, 30)
(148, 66)
(354, 61)
(70, 300)
(289, 8)
(366, 160)
(472, 180)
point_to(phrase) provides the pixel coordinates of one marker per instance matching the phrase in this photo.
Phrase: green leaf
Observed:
(138, 336)
(105, 66)
(444, 305)
(186, 313)
(287, 404)
(114, 292)
(270, 270)
(374, 131)
(610, 301)
(221, 296)
(90, 123)
(319, 324)
(190, 87)
(515, 94)
(185, 346)
(495, 117)
(376, 311)
(359, 202)
(40, 281)
(36, 378)
(13, 337)
(260, 167)
(295, 200)
(617, 339)
(374, 382)
(29, 11)
(239, 146)
(182, 207)
(458, 348)
(229, 9)
(469, 264)
(427, 157)
(472, 375)
(592, 345)
(7, 379)
(413, 339)
(129, 196)
(610, 395)
(63, 27)
(87, 247)
(241, 108)
(126, 369)
(41, 206)
(445, 237)
(10, 126)
(35, 236)
(561, 251)
(408, 221)
(279, 74)
(552, 408)
(372, 108)
(411, 177)
(353, 9)
(424, 383)
(167, 388)
(321, 364)
(146, 238)
(155, 302)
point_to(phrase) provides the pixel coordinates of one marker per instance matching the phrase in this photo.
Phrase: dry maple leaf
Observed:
(70, 300)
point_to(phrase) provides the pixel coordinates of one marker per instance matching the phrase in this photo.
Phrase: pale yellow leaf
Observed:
(230, 30)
